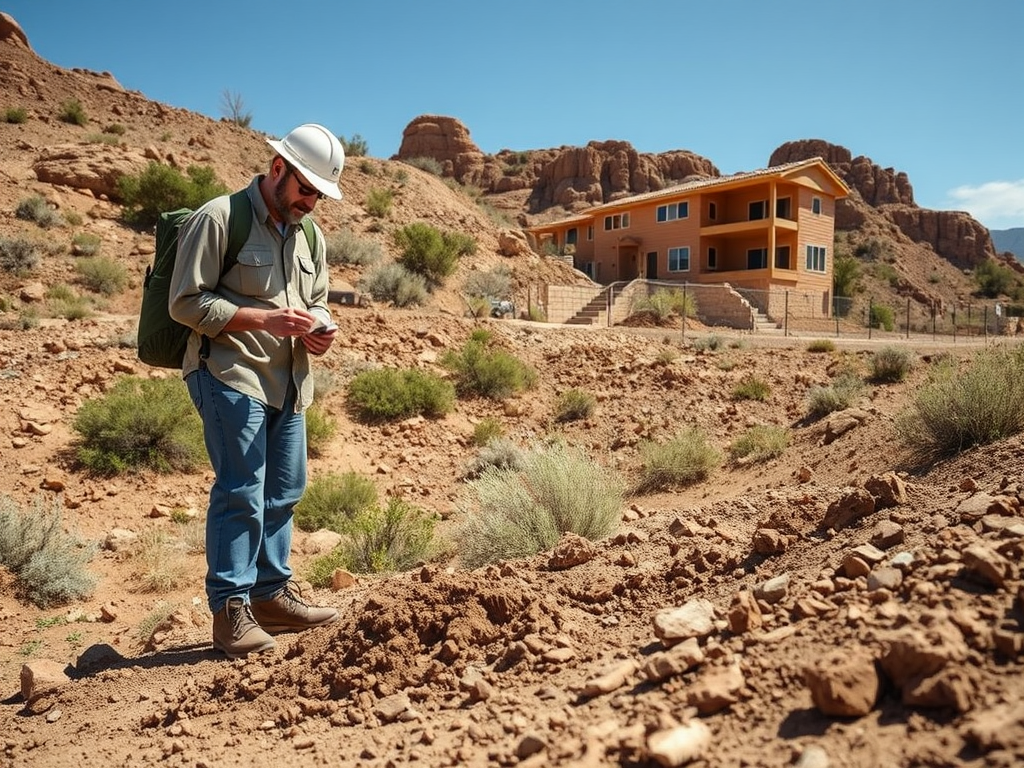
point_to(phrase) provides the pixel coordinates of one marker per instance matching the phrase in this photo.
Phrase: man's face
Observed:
(294, 197)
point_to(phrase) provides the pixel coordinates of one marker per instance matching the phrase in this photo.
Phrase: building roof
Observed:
(736, 179)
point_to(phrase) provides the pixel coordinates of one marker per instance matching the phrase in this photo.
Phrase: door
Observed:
(652, 265)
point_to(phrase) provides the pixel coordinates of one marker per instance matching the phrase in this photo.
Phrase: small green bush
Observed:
(396, 285)
(331, 501)
(760, 443)
(72, 111)
(102, 274)
(429, 252)
(320, 428)
(18, 255)
(819, 346)
(684, 459)
(355, 146)
(488, 429)
(499, 452)
(48, 564)
(890, 364)
(495, 283)
(882, 317)
(108, 139)
(140, 423)
(36, 209)
(837, 396)
(964, 406)
(162, 188)
(345, 247)
(573, 405)
(428, 164)
(394, 537)
(491, 373)
(63, 301)
(708, 343)
(665, 303)
(514, 513)
(85, 244)
(320, 570)
(116, 129)
(378, 202)
(15, 115)
(751, 388)
(386, 393)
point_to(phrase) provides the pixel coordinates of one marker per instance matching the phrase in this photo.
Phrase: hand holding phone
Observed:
(325, 328)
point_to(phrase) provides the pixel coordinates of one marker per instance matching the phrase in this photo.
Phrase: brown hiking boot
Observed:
(236, 633)
(287, 611)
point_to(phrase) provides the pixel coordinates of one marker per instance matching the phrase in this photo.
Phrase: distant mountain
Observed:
(1011, 240)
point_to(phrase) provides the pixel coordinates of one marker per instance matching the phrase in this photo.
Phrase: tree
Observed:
(233, 108)
(354, 147)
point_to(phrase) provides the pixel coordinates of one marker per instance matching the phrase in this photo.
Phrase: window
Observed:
(587, 267)
(816, 205)
(712, 211)
(816, 258)
(570, 236)
(758, 210)
(673, 211)
(782, 208)
(618, 221)
(678, 259)
(757, 258)
(712, 257)
(782, 257)
(590, 232)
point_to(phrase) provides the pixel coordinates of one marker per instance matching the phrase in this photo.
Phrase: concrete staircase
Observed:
(764, 324)
(596, 310)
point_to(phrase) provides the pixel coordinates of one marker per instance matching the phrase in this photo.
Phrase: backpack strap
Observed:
(307, 229)
(239, 223)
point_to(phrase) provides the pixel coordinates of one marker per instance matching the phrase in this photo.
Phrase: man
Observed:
(247, 371)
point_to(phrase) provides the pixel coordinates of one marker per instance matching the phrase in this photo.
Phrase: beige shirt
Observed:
(272, 272)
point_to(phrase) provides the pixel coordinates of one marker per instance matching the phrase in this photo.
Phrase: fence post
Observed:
(683, 334)
(785, 317)
(954, 323)
(908, 317)
(871, 314)
(986, 323)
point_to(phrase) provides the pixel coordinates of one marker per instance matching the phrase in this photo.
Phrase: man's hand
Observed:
(319, 341)
(278, 322)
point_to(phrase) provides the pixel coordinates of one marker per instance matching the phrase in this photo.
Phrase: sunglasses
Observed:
(304, 189)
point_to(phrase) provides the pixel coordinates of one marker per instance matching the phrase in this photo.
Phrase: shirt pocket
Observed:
(256, 272)
(307, 275)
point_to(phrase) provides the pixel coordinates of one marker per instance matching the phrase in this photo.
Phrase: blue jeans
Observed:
(258, 455)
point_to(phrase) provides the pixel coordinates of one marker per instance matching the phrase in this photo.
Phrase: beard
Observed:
(285, 212)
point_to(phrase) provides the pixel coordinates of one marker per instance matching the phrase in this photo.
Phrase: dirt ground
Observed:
(834, 606)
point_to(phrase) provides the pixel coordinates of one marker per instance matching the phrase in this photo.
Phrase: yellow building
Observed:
(762, 231)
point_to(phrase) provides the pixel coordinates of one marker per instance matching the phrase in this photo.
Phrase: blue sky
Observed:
(934, 89)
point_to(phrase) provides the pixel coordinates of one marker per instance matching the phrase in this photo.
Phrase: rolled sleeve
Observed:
(193, 299)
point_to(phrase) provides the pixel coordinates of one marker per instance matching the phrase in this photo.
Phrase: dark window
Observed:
(712, 257)
(757, 210)
(757, 258)
(570, 236)
(782, 208)
(712, 211)
(782, 257)
(816, 205)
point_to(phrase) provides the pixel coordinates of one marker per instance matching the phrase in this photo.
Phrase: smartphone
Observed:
(325, 328)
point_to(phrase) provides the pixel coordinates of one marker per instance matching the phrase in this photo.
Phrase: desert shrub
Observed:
(993, 279)
(836, 396)
(387, 393)
(495, 283)
(819, 346)
(102, 274)
(429, 252)
(72, 111)
(63, 301)
(355, 146)
(394, 537)
(682, 460)
(846, 274)
(47, 563)
(378, 202)
(890, 364)
(116, 129)
(36, 209)
(320, 428)
(486, 430)
(573, 405)
(708, 343)
(15, 115)
(346, 247)
(960, 407)
(751, 388)
(163, 188)
(160, 565)
(18, 255)
(536, 313)
(331, 501)
(395, 284)
(160, 613)
(492, 373)
(102, 138)
(667, 355)
(320, 570)
(85, 244)
(665, 302)
(140, 423)
(882, 317)
(499, 452)
(760, 443)
(519, 512)
(428, 164)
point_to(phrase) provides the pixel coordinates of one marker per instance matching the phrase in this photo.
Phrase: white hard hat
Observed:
(316, 153)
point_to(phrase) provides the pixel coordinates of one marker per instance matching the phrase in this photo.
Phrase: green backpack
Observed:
(161, 339)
